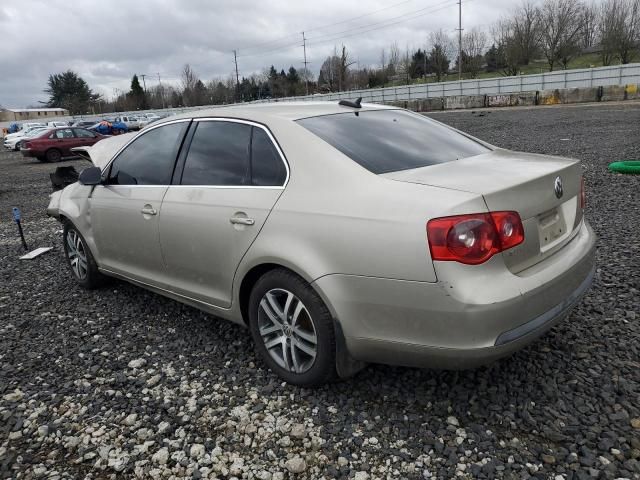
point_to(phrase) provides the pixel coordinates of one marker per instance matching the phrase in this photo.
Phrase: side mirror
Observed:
(90, 176)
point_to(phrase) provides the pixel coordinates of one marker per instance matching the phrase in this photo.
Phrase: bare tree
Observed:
(589, 17)
(474, 44)
(560, 31)
(509, 51)
(394, 58)
(527, 30)
(620, 30)
(189, 85)
(442, 49)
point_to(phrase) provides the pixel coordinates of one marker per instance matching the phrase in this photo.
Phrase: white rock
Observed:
(604, 460)
(343, 462)
(14, 396)
(161, 456)
(196, 451)
(296, 465)
(153, 381)
(361, 476)
(263, 475)
(373, 440)
(278, 476)
(298, 431)
(130, 419)
(453, 421)
(284, 441)
(163, 427)
(137, 363)
(43, 431)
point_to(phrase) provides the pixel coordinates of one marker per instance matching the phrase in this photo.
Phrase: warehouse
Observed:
(20, 114)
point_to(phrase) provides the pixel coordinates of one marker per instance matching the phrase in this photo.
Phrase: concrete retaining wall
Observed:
(543, 97)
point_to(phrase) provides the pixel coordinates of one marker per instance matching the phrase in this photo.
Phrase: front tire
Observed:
(292, 329)
(80, 260)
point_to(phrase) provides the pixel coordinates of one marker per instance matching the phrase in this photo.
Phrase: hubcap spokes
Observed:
(77, 255)
(287, 330)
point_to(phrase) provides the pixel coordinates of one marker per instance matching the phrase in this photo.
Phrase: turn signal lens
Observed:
(475, 238)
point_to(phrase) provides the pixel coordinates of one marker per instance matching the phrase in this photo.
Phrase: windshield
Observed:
(385, 141)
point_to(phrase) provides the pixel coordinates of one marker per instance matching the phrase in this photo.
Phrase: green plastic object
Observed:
(630, 166)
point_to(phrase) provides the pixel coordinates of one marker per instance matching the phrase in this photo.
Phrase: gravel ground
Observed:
(122, 383)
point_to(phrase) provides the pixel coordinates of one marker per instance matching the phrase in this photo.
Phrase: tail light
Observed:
(475, 238)
(27, 145)
(583, 194)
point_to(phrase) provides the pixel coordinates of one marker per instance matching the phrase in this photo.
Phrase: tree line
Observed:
(554, 30)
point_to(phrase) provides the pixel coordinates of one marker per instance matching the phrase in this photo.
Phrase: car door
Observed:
(63, 140)
(124, 210)
(84, 137)
(232, 175)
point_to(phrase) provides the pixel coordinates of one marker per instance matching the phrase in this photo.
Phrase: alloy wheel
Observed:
(76, 254)
(287, 330)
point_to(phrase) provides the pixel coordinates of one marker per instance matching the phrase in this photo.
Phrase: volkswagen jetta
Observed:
(340, 234)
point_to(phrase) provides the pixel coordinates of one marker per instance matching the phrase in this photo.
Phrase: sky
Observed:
(106, 42)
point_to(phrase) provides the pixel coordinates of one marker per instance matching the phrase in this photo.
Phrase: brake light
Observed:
(473, 239)
(583, 194)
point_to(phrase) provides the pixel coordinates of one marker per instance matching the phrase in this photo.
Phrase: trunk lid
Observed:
(522, 182)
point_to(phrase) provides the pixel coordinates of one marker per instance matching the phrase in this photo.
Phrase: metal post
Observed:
(304, 47)
(17, 216)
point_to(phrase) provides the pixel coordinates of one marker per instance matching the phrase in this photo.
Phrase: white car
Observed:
(13, 140)
(57, 124)
(130, 121)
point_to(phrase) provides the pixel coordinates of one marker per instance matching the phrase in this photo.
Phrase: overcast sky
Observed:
(106, 42)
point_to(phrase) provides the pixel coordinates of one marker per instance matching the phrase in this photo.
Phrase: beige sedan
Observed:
(340, 234)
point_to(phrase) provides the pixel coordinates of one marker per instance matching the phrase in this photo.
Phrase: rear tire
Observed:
(292, 329)
(79, 258)
(53, 155)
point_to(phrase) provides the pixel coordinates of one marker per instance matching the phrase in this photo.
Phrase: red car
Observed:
(56, 143)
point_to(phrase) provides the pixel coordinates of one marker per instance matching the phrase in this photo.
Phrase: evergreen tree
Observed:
(68, 90)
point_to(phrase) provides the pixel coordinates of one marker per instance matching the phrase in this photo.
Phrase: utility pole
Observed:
(143, 82)
(161, 90)
(306, 76)
(235, 59)
(459, 40)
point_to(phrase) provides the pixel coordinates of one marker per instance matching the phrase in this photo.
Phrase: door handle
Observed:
(242, 221)
(149, 211)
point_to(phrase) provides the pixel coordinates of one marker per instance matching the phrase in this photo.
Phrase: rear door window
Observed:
(385, 141)
(218, 155)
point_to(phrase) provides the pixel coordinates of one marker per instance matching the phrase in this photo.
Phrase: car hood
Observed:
(101, 152)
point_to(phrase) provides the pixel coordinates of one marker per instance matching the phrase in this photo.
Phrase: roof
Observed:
(18, 110)
(285, 110)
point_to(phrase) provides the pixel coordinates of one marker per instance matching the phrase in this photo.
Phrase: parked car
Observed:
(57, 124)
(14, 141)
(23, 131)
(53, 145)
(340, 234)
(130, 121)
(84, 123)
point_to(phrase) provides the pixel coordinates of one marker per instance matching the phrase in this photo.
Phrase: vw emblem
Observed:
(557, 187)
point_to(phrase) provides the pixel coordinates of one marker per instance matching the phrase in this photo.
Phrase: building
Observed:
(22, 114)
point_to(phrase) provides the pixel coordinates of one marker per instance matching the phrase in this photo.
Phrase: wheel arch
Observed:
(346, 366)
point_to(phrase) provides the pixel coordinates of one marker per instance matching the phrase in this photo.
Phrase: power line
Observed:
(323, 27)
(367, 28)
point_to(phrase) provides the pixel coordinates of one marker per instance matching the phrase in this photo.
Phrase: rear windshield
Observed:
(385, 141)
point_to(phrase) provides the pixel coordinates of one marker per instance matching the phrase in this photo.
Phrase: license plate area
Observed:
(552, 228)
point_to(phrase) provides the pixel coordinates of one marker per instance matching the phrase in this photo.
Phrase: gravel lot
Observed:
(122, 383)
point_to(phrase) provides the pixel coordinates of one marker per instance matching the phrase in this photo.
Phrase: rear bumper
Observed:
(470, 317)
